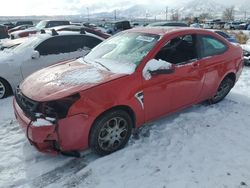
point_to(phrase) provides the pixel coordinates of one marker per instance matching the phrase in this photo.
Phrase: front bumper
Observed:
(69, 134)
(44, 138)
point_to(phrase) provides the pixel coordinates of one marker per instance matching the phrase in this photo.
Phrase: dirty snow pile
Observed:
(201, 146)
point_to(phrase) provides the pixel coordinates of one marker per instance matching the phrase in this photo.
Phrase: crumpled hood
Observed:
(64, 79)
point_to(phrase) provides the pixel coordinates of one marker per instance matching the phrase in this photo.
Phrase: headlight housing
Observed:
(58, 109)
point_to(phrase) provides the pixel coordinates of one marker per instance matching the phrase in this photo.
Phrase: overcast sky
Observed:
(69, 7)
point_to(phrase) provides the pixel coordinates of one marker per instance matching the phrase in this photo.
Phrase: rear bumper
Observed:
(69, 134)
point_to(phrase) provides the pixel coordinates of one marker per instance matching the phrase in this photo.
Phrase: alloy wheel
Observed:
(113, 134)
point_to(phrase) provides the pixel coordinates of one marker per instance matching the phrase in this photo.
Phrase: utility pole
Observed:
(166, 12)
(88, 13)
(115, 15)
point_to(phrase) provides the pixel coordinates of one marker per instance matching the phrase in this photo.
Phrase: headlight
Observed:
(58, 109)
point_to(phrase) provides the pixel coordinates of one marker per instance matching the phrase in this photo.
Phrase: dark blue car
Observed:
(230, 38)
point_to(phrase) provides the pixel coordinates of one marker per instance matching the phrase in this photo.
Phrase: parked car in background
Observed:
(167, 24)
(246, 52)
(219, 25)
(116, 26)
(246, 57)
(3, 32)
(83, 29)
(195, 25)
(233, 25)
(208, 25)
(18, 23)
(230, 38)
(41, 51)
(76, 104)
(9, 25)
(8, 44)
(41, 25)
(20, 27)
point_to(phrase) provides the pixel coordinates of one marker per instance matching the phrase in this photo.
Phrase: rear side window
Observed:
(211, 46)
(91, 42)
(76, 43)
(66, 44)
(54, 45)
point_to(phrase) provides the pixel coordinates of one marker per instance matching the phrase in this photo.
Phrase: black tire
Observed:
(224, 88)
(110, 132)
(5, 89)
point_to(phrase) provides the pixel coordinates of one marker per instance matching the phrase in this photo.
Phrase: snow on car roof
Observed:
(164, 30)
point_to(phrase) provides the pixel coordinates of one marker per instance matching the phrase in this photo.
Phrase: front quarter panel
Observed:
(93, 103)
(118, 92)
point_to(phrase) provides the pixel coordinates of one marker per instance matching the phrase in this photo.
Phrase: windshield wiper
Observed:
(102, 65)
(97, 63)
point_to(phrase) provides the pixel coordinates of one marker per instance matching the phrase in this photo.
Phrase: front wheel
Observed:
(4, 89)
(224, 88)
(110, 132)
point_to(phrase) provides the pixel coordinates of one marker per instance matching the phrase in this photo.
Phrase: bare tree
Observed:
(175, 15)
(205, 16)
(228, 14)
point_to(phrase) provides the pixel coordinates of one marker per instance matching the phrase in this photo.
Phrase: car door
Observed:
(51, 51)
(165, 93)
(214, 58)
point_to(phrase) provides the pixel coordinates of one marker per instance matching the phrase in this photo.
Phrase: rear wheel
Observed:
(5, 89)
(110, 132)
(224, 88)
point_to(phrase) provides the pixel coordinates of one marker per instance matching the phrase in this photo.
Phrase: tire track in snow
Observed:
(60, 173)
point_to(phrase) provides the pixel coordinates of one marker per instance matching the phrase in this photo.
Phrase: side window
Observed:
(179, 50)
(54, 45)
(91, 42)
(76, 43)
(211, 46)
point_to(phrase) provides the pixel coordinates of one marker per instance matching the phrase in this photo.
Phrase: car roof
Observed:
(166, 30)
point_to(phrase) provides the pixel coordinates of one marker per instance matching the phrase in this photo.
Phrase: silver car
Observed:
(38, 52)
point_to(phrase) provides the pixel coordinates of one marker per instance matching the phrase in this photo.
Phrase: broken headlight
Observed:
(58, 109)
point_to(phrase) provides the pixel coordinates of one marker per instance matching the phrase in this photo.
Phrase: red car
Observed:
(131, 78)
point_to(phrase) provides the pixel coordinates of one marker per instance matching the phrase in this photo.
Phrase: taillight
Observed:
(24, 34)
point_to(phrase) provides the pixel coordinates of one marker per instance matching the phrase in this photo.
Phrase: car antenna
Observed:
(82, 31)
(54, 32)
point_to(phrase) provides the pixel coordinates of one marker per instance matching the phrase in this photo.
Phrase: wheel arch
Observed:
(230, 75)
(125, 108)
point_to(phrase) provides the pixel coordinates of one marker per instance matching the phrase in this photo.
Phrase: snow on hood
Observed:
(153, 65)
(64, 79)
(117, 66)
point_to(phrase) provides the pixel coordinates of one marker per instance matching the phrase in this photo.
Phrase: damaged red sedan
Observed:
(132, 78)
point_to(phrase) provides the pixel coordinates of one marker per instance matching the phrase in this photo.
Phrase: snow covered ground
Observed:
(202, 146)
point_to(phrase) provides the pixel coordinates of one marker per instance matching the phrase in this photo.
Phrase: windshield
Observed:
(124, 48)
(41, 25)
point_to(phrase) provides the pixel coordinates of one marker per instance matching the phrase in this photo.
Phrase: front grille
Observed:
(28, 106)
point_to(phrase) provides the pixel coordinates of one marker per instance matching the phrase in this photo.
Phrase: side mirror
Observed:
(35, 55)
(155, 67)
